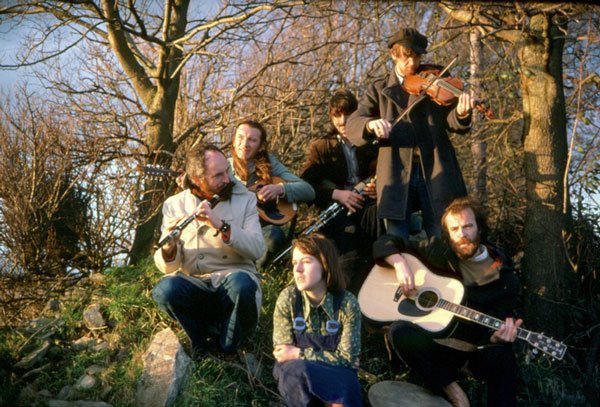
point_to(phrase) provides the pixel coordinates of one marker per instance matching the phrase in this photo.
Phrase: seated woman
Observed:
(253, 164)
(316, 330)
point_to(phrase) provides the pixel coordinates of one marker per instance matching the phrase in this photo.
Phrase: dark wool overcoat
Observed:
(427, 127)
(326, 169)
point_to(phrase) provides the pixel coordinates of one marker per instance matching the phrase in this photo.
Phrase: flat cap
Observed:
(410, 38)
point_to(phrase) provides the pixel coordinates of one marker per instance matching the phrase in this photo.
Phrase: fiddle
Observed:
(442, 90)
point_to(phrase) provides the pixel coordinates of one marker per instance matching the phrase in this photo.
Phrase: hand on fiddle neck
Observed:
(465, 105)
(381, 128)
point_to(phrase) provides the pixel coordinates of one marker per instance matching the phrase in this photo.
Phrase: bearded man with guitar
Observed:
(491, 287)
(211, 286)
(277, 189)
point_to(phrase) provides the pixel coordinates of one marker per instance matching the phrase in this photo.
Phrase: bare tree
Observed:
(538, 31)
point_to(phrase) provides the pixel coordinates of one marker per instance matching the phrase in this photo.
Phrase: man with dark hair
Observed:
(333, 167)
(491, 287)
(211, 284)
(417, 167)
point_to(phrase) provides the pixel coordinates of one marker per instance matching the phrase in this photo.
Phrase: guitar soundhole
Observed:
(427, 299)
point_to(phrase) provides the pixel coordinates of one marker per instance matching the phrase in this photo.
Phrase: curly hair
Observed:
(261, 160)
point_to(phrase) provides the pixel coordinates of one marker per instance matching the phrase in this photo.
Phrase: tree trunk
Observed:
(160, 144)
(159, 139)
(550, 282)
(478, 145)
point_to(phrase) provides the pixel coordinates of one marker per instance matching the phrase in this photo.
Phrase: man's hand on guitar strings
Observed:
(507, 332)
(404, 275)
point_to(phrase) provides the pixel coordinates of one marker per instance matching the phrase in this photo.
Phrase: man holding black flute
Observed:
(211, 286)
(334, 167)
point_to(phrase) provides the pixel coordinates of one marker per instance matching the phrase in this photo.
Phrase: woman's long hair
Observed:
(323, 250)
(261, 160)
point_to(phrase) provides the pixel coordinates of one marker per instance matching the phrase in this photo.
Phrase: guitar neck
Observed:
(547, 345)
(476, 316)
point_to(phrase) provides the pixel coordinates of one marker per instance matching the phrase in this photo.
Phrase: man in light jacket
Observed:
(211, 284)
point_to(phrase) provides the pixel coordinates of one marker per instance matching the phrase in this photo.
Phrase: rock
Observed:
(34, 357)
(97, 278)
(84, 342)
(166, 368)
(94, 370)
(390, 393)
(35, 371)
(100, 347)
(86, 382)
(27, 395)
(39, 325)
(44, 393)
(77, 403)
(66, 393)
(93, 318)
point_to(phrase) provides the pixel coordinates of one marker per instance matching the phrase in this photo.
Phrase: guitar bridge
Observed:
(397, 294)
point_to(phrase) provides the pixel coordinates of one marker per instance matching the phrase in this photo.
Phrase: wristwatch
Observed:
(224, 227)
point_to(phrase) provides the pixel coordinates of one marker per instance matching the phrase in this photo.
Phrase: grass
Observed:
(124, 295)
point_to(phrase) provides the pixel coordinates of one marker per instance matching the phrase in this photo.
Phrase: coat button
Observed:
(200, 256)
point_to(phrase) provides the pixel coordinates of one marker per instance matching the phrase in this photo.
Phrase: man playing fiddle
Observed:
(211, 284)
(417, 166)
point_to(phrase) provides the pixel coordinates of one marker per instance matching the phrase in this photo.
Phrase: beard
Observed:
(226, 192)
(203, 192)
(465, 248)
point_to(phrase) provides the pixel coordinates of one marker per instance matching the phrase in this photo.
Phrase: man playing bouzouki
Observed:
(491, 287)
(255, 167)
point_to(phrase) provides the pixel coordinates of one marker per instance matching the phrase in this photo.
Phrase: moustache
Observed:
(226, 192)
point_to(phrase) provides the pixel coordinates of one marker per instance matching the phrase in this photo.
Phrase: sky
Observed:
(11, 37)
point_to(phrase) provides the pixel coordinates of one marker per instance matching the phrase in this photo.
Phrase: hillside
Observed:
(59, 354)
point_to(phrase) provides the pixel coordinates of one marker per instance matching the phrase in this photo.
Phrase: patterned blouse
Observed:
(349, 317)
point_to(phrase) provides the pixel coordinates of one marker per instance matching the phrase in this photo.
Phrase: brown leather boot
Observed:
(456, 395)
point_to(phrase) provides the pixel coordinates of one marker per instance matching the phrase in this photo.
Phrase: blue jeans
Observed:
(274, 240)
(229, 310)
(418, 198)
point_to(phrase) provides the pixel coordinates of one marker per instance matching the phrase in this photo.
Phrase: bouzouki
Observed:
(433, 307)
(277, 212)
(158, 172)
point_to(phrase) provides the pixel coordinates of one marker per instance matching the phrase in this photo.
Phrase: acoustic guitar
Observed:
(276, 212)
(433, 307)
